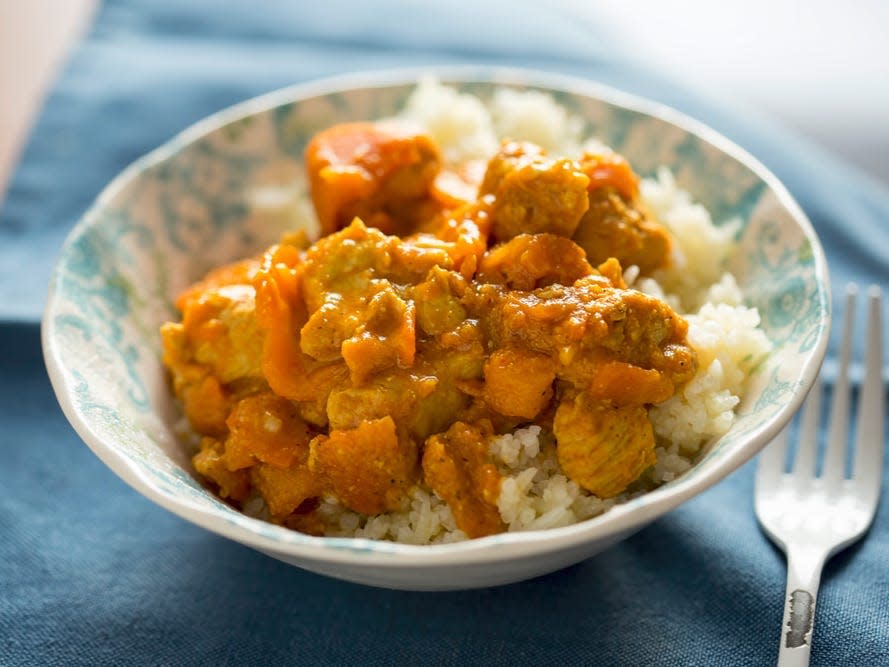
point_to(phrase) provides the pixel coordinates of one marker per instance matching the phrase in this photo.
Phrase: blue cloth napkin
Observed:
(92, 573)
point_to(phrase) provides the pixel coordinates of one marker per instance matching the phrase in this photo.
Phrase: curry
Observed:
(443, 304)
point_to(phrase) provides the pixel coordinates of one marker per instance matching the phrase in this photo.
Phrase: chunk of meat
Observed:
(236, 273)
(416, 255)
(602, 448)
(458, 467)
(529, 261)
(214, 354)
(379, 173)
(344, 264)
(453, 358)
(355, 310)
(510, 156)
(222, 332)
(436, 411)
(518, 383)
(206, 402)
(368, 468)
(579, 324)
(265, 428)
(613, 227)
(438, 302)
(540, 196)
(385, 339)
(210, 463)
(463, 236)
(395, 394)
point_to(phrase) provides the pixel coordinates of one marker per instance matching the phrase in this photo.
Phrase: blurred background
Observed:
(819, 68)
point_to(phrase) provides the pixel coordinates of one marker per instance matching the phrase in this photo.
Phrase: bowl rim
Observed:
(279, 541)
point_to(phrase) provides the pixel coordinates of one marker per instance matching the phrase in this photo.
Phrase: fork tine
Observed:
(871, 414)
(807, 440)
(834, 467)
(771, 461)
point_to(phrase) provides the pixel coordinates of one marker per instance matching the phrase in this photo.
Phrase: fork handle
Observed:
(804, 567)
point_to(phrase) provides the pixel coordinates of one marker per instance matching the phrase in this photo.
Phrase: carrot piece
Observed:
(610, 169)
(626, 384)
(367, 468)
(285, 489)
(210, 463)
(265, 428)
(458, 467)
(518, 383)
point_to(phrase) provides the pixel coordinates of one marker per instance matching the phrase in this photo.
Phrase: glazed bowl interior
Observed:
(229, 186)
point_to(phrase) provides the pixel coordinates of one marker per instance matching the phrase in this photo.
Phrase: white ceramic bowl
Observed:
(223, 189)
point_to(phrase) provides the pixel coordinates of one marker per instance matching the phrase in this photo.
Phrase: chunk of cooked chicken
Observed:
(385, 339)
(591, 321)
(215, 352)
(394, 394)
(529, 261)
(601, 447)
(205, 401)
(510, 155)
(607, 169)
(222, 333)
(614, 227)
(438, 302)
(534, 194)
(616, 223)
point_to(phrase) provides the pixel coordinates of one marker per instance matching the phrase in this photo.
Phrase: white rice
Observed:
(534, 492)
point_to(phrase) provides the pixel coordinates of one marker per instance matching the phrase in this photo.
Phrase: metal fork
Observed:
(811, 517)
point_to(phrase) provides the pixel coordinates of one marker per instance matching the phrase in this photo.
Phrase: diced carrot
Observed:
(237, 273)
(518, 383)
(210, 462)
(265, 428)
(458, 467)
(610, 169)
(626, 384)
(206, 405)
(381, 174)
(285, 489)
(368, 469)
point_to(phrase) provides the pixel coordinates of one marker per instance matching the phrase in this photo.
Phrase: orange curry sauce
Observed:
(435, 312)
